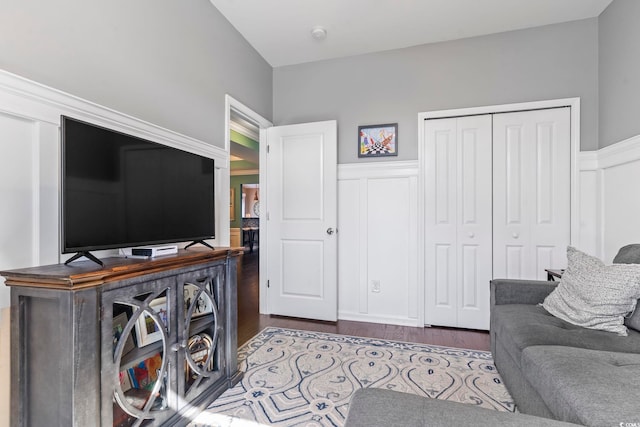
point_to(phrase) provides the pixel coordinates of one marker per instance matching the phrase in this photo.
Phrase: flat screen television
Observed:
(122, 191)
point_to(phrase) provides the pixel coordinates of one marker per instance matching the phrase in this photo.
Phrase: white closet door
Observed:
(458, 221)
(440, 222)
(531, 192)
(474, 221)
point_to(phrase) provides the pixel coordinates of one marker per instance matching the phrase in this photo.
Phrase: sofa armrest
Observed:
(512, 291)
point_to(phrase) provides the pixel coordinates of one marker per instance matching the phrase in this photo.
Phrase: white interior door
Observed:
(531, 192)
(458, 221)
(301, 220)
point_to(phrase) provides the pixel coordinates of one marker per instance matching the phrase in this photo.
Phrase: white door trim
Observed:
(231, 103)
(573, 103)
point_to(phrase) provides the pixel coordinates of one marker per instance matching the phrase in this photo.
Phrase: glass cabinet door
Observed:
(201, 332)
(139, 362)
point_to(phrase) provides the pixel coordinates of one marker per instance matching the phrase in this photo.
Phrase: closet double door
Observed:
(496, 206)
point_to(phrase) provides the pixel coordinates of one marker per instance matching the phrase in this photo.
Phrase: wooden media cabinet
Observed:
(135, 342)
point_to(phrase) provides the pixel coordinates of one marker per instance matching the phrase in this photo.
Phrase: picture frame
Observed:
(378, 140)
(203, 306)
(147, 330)
(119, 323)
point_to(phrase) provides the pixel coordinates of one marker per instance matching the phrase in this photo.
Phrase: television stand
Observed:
(202, 242)
(75, 332)
(85, 254)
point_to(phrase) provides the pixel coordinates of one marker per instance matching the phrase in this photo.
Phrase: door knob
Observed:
(329, 231)
(471, 235)
(515, 235)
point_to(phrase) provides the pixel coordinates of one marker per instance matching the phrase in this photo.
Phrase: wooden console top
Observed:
(86, 274)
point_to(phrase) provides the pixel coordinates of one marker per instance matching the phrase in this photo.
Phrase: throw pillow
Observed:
(594, 295)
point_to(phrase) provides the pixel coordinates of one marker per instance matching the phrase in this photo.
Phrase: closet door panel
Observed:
(514, 261)
(444, 266)
(544, 173)
(514, 173)
(550, 229)
(510, 183)
(474, 235)
(440, 222)
(531, 192)
(458, 221)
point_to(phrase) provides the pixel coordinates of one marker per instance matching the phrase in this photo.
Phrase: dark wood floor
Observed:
(250, 322)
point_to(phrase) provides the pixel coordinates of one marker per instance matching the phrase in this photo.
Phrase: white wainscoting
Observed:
(610, 200)
(588, 237)
(30, 173)
(378, 242)
(619, 204)
(29, 151)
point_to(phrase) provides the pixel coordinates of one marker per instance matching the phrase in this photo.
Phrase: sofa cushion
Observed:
(594, 295)
(590, 387)
(633, 320)
(519, 326)
(379, 407)
(630, 254)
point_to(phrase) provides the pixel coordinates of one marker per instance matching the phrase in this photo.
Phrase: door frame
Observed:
(263, 124)
(572, 103)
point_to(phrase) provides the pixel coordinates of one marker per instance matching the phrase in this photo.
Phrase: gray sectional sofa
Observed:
(372, 407)
(553, 369)
(557, 370)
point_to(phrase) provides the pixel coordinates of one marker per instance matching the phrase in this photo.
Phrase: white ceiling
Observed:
(280, 30)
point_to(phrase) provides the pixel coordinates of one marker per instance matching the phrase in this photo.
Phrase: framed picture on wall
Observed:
(378, 140)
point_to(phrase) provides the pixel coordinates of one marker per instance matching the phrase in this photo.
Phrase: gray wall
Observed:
(556, 61)
(619, 72)
(165, 61)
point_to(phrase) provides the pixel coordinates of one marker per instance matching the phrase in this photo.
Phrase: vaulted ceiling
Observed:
(280, 30)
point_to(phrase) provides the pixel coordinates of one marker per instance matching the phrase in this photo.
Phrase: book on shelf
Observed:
(125, 381)
(154, 364)
(145, 373)
(119, 323)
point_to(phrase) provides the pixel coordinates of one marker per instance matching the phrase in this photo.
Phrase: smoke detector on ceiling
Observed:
(319, 33)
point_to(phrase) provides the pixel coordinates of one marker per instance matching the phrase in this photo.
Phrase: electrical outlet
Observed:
(375, 286)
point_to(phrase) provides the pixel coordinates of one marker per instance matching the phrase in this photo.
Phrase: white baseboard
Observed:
(387, 320)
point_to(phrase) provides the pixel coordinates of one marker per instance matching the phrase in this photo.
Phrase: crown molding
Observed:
(34, 101)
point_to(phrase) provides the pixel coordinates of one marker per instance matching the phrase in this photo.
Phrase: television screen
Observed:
(121, 191)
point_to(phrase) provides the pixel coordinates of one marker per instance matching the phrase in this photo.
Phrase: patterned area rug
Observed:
(302, 378)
